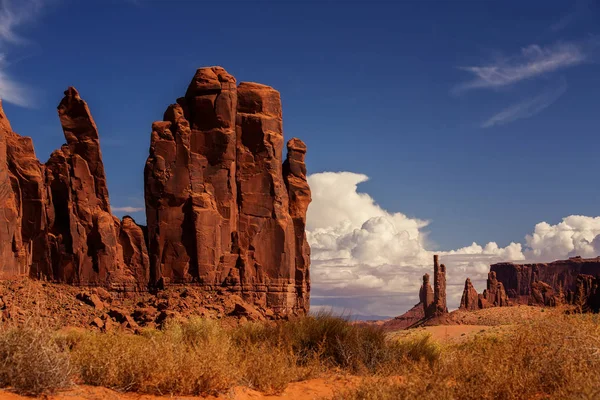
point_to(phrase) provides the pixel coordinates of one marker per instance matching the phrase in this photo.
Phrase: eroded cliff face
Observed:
(223, 209)
(217, 197)
(564, 281)
(58, 221)
(12, 253)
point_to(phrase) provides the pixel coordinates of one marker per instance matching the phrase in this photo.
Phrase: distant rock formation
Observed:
(569, 281)
(469, 299)
(439, 287)
(493, 296)
(432, 302)
(427, 297)
(224, 211)
(574, 281)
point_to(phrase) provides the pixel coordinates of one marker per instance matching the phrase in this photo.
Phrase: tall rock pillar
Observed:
(294, 175)
(439, 286)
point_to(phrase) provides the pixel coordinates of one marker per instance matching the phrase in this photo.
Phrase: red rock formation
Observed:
(543, 294)
(426, 296)
(12, 254)
(218, 201)
(495, 293)
(82, 232)
(266, 230)
(27, 174)
(432, 302)
(223, 210)
(58, 214)
(294, 175)
(439, 285)
(469, 300)
(587, 294)
(412, 317)
(493, 296)
(523, 282)
(190, 186)
(135, 253)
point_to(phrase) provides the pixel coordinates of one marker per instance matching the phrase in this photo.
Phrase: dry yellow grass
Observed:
(554, 357)
(557, 357)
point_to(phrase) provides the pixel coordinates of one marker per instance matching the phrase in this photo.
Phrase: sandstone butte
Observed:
(224, 211)
(574, 281)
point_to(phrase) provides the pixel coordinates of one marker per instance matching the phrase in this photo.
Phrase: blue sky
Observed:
(479, 117)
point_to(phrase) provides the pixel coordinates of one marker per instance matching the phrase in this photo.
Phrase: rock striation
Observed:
(222, 208)
(564, 281)
(224, 211)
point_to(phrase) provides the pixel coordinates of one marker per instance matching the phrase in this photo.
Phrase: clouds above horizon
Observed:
(13, 15)
(369, 261)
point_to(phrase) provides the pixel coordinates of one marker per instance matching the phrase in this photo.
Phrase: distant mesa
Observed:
(574, 282)
(571, 282)
(224, 211)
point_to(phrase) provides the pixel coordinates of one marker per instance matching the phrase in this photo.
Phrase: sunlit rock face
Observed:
(223, 210)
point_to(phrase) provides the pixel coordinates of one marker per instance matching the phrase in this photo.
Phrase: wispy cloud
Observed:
(14, 14)
(128, 209)
(532, 61)
(528, 107)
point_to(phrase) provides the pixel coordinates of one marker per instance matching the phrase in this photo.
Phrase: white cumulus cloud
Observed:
(369, 261)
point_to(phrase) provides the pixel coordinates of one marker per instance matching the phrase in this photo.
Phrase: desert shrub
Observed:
(194, 358)
(268, 369)
(332, 340)
(556, 357)
(31, 361)
(418, 348)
